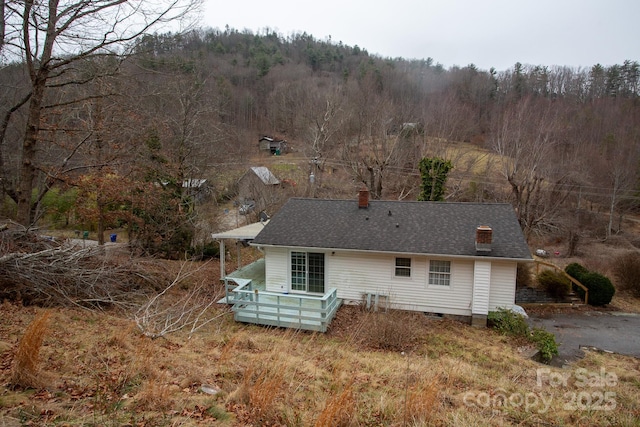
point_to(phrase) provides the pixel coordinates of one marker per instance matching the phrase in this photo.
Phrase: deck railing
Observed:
(284, 310)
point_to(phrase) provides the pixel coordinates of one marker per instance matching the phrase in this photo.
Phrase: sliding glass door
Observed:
(307, 272)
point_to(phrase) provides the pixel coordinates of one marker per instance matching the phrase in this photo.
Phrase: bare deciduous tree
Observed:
(524, 138)
(50, 37)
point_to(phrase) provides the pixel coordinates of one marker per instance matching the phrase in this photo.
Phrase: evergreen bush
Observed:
(545, 343)
(205, 251)
(601, 289)
(508, 322)
(576, 270)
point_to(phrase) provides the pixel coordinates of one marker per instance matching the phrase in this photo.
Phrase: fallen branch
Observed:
(166, 313)
(42, 272)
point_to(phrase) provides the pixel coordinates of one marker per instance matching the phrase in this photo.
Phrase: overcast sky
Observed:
(487, 33)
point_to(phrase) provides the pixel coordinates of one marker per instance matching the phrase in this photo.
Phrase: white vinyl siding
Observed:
(481, 283)
(276, 269)
(355, 274)
(503, 285)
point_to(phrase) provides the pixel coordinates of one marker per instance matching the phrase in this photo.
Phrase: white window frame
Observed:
(303, 278)
(437, 277)
(397, 267)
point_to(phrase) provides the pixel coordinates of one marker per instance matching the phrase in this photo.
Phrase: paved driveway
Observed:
(609, 331)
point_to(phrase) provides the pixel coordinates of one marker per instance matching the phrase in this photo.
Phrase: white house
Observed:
(448, 258)
(455, 259)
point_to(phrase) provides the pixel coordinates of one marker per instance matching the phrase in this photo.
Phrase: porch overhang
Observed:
(244, 234)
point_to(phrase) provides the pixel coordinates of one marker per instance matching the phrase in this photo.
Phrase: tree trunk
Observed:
(27, 169)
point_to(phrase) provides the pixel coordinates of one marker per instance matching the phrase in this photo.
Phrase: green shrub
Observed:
(554, 283)
(576, 270)
(508, 322)
(626, 269)
(601, 289)
(545, 343)
(514, 324)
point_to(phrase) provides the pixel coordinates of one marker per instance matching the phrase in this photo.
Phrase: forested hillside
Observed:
(118, 134)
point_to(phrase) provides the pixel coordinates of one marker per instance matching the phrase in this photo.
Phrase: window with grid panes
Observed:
(439, 272)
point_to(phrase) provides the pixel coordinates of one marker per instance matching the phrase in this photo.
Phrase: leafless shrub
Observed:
(167, 312)
(626, 269)
(523, 276)
(393, 330)
(24, 372)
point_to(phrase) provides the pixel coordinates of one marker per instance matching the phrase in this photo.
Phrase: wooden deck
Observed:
(252, 304)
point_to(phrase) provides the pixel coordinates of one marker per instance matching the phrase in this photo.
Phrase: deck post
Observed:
(257, 304)
(278, 311)
(223, 272)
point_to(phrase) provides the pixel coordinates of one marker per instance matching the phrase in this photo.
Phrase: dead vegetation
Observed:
(103, 367)
(25, 372)
(172, 310)
(102, 371)
(39, 271)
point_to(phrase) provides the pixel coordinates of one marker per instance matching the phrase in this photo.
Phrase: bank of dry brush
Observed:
(39, 271)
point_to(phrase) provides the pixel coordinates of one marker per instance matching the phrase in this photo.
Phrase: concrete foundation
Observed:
(479, 320)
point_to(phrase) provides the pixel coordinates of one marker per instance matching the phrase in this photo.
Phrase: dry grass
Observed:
(154, 395)
(25, 372)
(338, 410)
(105, 373)
(421, 401)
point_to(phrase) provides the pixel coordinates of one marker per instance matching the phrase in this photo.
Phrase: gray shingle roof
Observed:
(265, 175)
(395, 226)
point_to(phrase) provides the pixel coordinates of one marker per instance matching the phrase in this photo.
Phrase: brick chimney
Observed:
(363, 198)
(484, 236)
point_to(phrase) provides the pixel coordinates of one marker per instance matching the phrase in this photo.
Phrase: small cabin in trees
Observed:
(260, 185)
(272, 145)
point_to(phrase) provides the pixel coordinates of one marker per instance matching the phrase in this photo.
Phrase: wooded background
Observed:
(113, 126)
